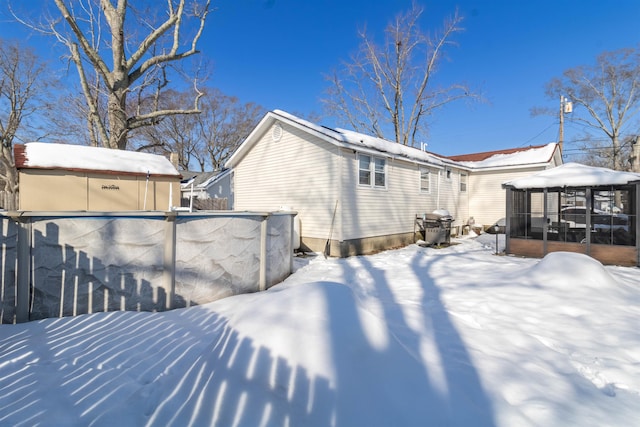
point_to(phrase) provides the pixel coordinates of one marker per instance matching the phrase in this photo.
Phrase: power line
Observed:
(543, 131)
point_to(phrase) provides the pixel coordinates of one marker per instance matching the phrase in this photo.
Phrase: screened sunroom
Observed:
(575, 208)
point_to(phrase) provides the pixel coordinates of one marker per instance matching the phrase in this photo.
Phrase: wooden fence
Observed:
(219, 204)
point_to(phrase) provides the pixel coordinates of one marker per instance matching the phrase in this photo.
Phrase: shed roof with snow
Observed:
(79, 158)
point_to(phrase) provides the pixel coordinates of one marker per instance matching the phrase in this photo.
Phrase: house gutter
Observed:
(509, 167)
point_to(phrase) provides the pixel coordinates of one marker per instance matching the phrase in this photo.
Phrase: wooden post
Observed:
(23, 273)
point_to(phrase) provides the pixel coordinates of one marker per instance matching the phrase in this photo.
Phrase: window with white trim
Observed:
(463, 182)
(425, 180)
(379, 175)
(364, 170)
(372, 171)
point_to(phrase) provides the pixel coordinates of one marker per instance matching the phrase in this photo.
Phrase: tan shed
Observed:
(64, 177)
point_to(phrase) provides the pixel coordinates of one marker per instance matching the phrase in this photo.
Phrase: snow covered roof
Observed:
(339, 137)
(39, 155)
(517, 157)
(204, 179)
(510, 157)
(573, 175)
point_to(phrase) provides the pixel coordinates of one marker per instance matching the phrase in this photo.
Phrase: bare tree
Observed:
(606, 99)
(134, 57)
(225, 123)
(22, 84)
(174, 133)
(207, 139)
(391, 85)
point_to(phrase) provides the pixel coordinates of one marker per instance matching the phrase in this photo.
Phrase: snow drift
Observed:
(417, 336)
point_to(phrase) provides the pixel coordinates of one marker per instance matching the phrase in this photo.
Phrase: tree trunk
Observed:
(118, 118)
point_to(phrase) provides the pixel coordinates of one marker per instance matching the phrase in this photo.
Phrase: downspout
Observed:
(438, 196)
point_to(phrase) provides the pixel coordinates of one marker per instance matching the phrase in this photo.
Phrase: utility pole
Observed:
(561, 131)
(635, 155)
(565, 107)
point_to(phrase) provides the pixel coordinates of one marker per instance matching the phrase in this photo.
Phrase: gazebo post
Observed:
(507, 220)
(588, 220)
(545, 224)
(637, 218)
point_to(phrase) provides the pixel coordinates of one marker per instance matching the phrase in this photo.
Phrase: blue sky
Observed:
(275, 53)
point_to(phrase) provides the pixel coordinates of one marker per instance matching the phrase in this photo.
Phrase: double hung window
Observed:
(372, 171)
(425, 180)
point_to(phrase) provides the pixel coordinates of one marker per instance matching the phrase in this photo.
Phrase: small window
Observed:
(463, 182)
(447, 173)
(380, 176)
(425, 180)
(364, 170)
(369, 167)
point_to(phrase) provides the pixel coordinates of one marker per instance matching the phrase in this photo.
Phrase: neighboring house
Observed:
(488, 170)
(204, 186)
(56, 177)
(575, 208)
(359, 193)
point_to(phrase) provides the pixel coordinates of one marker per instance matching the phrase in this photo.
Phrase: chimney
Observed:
(173, 158)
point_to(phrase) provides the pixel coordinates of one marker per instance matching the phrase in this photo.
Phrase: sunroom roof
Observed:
(573, 175)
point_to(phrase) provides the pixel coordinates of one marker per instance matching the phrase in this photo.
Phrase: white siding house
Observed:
(488, 170)
(209, 185)
(360, 193)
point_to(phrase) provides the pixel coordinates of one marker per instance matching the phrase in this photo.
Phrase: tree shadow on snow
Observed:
(427, 377)
(188, 367)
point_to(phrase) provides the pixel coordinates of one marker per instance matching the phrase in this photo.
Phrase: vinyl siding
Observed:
(298, 171)
(221, 189)
(308, 174)
(369, 211)
(488, 200)
(452, 199)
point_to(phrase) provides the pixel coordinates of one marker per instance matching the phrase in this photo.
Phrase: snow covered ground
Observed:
(413, 337)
